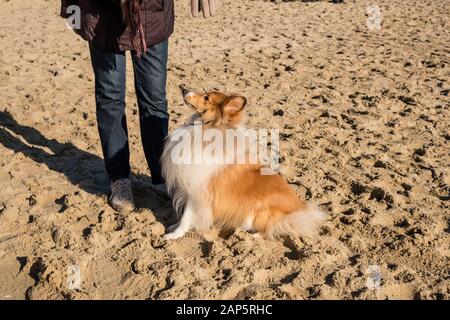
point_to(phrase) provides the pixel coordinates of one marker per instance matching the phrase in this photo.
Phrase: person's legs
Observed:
(109, 70)
(110, 73)
(150, 80)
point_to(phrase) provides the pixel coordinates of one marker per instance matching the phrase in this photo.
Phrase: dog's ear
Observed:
(234, 104)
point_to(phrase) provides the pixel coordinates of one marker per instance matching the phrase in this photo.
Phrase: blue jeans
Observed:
(150, 79)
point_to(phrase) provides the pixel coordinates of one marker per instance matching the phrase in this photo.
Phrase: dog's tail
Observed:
(303, 222)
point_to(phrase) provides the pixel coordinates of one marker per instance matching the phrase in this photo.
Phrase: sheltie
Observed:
(213, 192)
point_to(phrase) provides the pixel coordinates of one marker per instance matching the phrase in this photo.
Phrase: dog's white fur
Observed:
(188, 184)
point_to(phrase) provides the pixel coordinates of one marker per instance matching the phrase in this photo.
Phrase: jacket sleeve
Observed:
(64, 5)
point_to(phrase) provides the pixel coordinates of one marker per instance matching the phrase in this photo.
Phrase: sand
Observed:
(364, 116)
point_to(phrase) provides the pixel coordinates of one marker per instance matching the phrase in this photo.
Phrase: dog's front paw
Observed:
(174, 235)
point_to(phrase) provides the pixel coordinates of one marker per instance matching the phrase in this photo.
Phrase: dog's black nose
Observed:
(184, 91)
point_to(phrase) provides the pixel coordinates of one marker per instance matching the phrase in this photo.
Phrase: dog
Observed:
(223, 194)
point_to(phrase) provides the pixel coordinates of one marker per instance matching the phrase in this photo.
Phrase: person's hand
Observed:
(208, 7)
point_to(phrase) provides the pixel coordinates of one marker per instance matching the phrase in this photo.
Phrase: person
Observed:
(113, 27)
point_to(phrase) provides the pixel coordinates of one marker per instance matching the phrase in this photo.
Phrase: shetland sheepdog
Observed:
(223, 194)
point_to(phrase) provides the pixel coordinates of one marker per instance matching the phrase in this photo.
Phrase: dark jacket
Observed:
(103, 25)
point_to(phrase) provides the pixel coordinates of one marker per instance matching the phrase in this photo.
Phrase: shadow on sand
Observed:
(83, 169)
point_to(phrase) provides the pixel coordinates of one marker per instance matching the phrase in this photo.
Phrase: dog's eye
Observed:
(206, 98)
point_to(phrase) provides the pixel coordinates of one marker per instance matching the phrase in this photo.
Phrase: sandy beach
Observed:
(364, 117)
